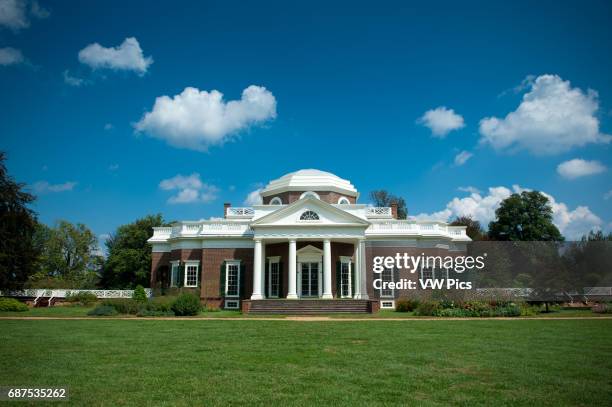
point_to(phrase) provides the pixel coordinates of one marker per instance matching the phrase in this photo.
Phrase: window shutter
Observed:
(266, 279)
(222, 280)
(395, 279)
(338, 279)
(280, 279)
(242, 280)
(181, 276)
(199, 283)
(353, 279)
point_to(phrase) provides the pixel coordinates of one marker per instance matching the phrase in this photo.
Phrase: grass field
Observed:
(482, 362)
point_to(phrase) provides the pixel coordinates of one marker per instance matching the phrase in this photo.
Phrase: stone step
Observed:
(304, 307)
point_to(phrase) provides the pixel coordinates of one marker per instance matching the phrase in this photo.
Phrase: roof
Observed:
(310, 180)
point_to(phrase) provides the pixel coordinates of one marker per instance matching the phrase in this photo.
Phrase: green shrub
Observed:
(123, 305)
(406, 305)
(528, 310)
(81, 298)
(163, 303)
(602, 308)
(139, 294)
(103, 311)
(186, 305)
(427, 308)
(11, 304)
(154, 313)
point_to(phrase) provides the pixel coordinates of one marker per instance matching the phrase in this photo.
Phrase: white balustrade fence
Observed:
(235, 212)
(378, 212)
(63, 293)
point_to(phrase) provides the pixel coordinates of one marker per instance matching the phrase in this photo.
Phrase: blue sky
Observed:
(347, 86)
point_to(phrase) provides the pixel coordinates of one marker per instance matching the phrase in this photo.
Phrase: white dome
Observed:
(310, 180)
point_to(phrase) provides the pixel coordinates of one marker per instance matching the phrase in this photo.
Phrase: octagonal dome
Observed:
(310, 180)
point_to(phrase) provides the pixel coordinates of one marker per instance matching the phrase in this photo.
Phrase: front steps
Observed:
(309, 307)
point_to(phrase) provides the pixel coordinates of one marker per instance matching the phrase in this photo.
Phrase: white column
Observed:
(327, 293)
(291, 289)
(362, 271)
(257, 271)
(356, 273)
(263, 270)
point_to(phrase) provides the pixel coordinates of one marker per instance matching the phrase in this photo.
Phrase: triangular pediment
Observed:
(292, 215)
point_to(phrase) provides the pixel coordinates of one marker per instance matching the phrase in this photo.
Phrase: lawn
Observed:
(468, 362)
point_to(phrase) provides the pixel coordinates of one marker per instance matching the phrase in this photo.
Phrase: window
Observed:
(273, 277)
(232, 304)
(343, 201)
(174, 273)
(387, 304)
(310, 194)
(427, 274)
(276, 201)
(386, 277)
(345, 278)
(309, 215)
(191, 273)
(232, 278)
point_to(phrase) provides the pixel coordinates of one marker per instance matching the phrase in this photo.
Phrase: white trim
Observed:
(235, 304)
(227, 264)
(191, 263)
(387, 304)
(173, 264)
(343, 201)
(310, 194)
(271, 261)
(276, 201)
(228, 243)
(382, 280)
(346, 260)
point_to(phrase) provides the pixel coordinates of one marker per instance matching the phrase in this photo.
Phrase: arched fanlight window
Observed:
(276, 201)
(310, 194)
(343, 201)
(309, 215)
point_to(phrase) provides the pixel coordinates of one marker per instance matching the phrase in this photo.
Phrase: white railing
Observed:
(162, 233)
(202, 228)
(415, 227)
(373, 212)
(63, 293)
(233, 212)
(598, 291)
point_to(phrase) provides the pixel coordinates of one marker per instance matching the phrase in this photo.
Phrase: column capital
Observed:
(292, 240)
(327, 240)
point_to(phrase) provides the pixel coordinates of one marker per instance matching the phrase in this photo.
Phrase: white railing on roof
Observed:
(378, 212)
(233, 212)
(412, 226)
(63, 293)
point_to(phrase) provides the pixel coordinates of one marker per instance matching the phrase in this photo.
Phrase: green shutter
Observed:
(222, 280)
(242, 280)
(200, 275)
(266, 280)
(353, 279)
(181, 275)
(338, 279)
(280, 280)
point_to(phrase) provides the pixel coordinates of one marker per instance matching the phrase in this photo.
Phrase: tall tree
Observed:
(18, 251)
(473, 228)
(129, 255)
(526, 216)
(382, 197)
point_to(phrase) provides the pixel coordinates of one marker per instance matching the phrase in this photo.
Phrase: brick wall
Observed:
(211, 271)
(292, 196)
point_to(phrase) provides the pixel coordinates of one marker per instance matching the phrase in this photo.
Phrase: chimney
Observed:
(225, 206)
(394, 210)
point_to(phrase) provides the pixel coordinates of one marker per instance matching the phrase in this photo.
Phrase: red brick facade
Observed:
(292, 196)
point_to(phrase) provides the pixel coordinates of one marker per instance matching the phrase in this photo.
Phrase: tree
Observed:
(129, 255)
(18, 250)
(69, 256)
(473, 228)
(383, 198)
(526, 216)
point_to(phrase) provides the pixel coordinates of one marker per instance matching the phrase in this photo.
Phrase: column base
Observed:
(292, 296)
(327, 296)
(257, 297)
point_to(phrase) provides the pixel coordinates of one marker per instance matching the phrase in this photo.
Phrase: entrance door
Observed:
(310, 280)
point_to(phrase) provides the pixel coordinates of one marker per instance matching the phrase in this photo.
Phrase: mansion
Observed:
(310, 239)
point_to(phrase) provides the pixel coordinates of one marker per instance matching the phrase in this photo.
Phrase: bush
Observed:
(11, 304)
(123, 305)
(139, 294)
(406, 305)
(602, 308)
(186, 305)
(103, 311)
(81, 298)
(154, 313)
(427, 308)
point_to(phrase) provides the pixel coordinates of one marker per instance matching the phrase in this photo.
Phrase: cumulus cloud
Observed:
(43, 187)
(608, 195)
(197, 119)
(470, 189)
(572, 223)
(127, 57)
(15, 14)
(578, 167)
(108, 126)
(253, 198)
(462, 158)
(441, 121)
(553, 117)
(10, 56)
(73, 80)
(190, 189)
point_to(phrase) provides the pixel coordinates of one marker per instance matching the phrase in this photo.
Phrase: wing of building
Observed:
(309, 239)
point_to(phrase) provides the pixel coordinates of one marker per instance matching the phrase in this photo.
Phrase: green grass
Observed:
(148, 362)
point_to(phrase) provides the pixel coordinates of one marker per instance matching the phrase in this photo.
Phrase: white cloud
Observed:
(470, 189)
(462, 157)
(43, 187)
(572, 223)
(14, 14)
(253, 198)
(190, 189)
(441, 121)
(108, 126)
(128, 57)
(10, 56)
(608, 195)
(197, 119)
(113, 167)
(553, 117)
(73, 80)
(578, 167)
